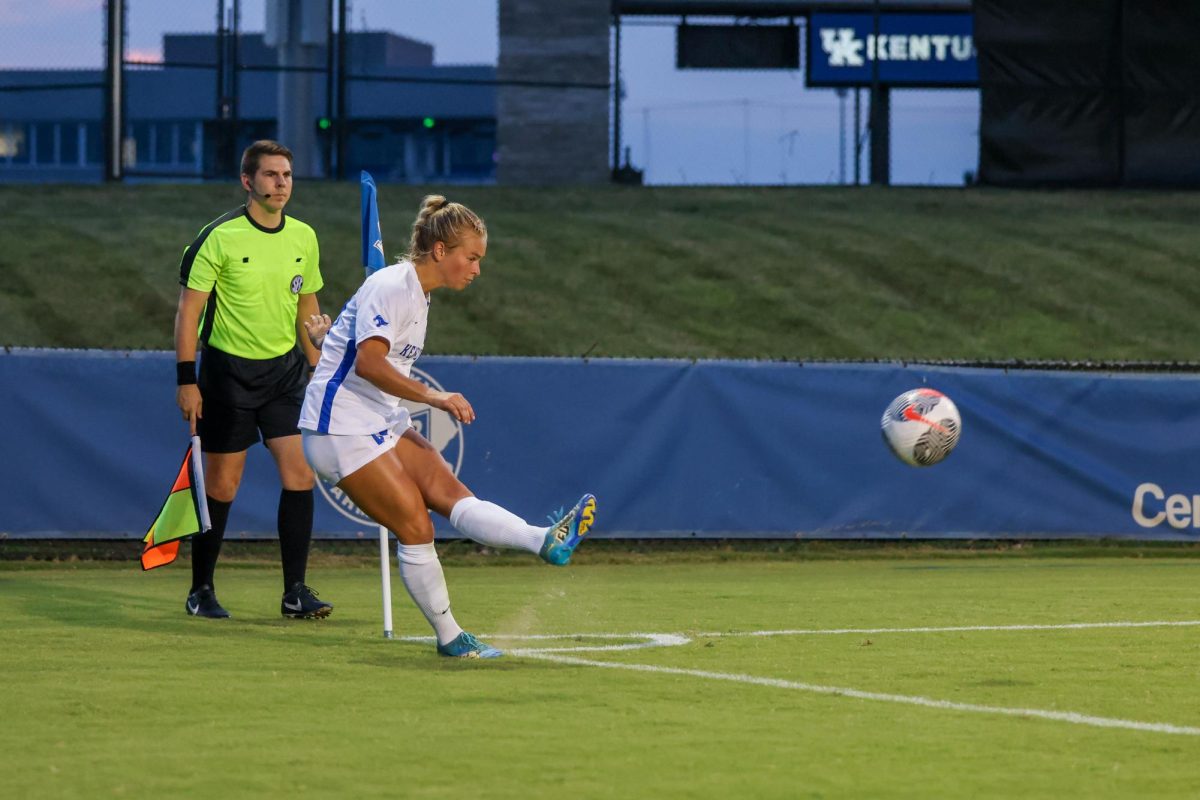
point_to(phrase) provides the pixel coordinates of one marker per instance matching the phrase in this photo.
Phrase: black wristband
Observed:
(185, 373)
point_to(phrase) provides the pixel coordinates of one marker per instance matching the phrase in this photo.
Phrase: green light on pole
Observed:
(429, 122)
(324, 123)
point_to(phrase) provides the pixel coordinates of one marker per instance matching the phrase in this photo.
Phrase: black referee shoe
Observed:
(203, 603)
(300, 602)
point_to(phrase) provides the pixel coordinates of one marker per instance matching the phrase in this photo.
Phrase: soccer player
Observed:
(357, 435)
(253, 273)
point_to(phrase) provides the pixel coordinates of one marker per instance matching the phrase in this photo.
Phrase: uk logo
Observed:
(842, 46)
(441, 430)
(379, 321)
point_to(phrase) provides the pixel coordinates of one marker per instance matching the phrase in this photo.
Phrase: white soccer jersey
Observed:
(389, 305)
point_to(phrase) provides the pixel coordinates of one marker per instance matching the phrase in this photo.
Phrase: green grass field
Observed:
(113, 692)
(692, 273)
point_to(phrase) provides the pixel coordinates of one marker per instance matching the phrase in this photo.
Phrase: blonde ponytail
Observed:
(439, 220)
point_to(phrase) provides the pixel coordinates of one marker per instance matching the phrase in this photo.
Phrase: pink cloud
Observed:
(143, 54)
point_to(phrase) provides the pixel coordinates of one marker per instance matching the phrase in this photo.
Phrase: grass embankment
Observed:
(694, 273)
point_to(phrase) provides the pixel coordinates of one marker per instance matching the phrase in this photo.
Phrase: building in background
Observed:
(554, 99)
(399, 128)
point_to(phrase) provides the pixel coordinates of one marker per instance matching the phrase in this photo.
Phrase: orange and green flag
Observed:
(184, 514)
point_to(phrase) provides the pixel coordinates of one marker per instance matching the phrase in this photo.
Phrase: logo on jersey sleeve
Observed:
(297, 284)
(379, 321)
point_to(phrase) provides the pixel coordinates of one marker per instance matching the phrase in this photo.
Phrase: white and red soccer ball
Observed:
(921, 427)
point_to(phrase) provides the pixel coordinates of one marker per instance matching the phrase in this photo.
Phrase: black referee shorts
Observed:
(248, 400)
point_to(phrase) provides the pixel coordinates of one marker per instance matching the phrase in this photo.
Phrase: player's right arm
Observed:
(371, 364)
(187, 322)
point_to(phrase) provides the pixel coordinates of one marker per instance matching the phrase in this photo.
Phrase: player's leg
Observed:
(225, 434)
(367, 470)
(485, 522)
(384, 491)
(444, 493)
(277, 421)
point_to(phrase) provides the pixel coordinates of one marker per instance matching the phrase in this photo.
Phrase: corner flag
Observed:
(373, 257)
(183, 514)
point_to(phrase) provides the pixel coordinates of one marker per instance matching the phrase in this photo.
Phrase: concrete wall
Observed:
(548, 136)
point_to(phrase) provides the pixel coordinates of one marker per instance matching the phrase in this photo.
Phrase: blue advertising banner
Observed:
(912, 50)
(91, 441)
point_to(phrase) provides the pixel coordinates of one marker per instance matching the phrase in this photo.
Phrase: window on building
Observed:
(163, 141)
(12, 142)
(45, 143)
(140, 133)
(68, 144)
(471, 152)
(189, 143)
(94, 145)
(378, 147)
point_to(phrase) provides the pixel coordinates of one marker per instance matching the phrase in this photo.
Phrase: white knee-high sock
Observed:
(426, 583)
(488, 523)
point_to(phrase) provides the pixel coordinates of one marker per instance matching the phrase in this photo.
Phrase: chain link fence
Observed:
(413, 91)
(51, 90)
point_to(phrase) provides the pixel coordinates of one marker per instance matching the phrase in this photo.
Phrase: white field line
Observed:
(1070, 626)
(554, 654)
(1058, 716)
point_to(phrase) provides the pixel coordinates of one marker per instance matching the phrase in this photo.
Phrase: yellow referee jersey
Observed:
(256, 276)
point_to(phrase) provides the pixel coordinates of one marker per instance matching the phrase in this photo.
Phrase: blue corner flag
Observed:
(373, 257)
(373, 260)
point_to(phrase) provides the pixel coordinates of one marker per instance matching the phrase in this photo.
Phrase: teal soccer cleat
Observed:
(467, 646)
(567, 531)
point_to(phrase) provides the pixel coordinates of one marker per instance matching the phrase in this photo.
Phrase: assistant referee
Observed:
(248, 280)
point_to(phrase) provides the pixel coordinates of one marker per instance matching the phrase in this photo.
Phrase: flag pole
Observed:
(385, 570)
(201, 492)
(373, 259)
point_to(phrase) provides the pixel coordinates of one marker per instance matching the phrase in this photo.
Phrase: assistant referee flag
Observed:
(183, 514)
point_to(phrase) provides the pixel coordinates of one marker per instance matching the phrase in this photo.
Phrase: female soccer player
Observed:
(358, 436)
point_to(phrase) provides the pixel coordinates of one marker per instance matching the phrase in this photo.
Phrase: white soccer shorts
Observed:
(334, 456)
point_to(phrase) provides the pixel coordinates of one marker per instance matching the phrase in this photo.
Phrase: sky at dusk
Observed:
(682, 126)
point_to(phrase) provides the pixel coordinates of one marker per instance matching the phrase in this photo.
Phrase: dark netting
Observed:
(1105, 93)
(1161, 74)
(204, 80)
(1049, 92)
(52, 92)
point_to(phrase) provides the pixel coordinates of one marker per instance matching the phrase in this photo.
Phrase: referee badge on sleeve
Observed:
(297, 284)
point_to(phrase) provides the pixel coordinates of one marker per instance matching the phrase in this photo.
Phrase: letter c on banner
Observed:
(1139, 516)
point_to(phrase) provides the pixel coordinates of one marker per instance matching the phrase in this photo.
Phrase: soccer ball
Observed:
(921, 427)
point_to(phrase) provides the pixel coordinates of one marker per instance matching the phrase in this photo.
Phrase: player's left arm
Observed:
(371, 365)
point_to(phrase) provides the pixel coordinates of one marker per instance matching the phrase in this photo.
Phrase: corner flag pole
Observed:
(373, 259)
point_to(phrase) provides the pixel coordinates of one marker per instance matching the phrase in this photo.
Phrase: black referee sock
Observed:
(295, 534)
(206, 547)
